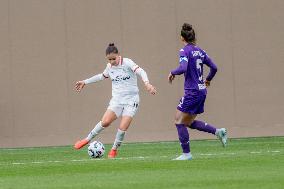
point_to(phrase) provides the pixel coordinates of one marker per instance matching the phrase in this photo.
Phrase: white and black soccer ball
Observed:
(96, 149)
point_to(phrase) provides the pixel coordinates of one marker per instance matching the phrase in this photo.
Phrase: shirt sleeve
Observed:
(142, 74)
(211, 65)
(106, 71)
(98, 77)
(137, 70)
(183, 62)
(131, 65)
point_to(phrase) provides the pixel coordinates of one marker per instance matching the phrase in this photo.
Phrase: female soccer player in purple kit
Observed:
(191, 61)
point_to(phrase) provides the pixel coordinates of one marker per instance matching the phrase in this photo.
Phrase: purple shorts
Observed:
(192, 104)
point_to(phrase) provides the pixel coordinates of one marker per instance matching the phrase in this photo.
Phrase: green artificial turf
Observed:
(245, 163)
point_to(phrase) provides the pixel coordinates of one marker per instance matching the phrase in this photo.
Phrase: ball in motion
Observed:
(96, 149)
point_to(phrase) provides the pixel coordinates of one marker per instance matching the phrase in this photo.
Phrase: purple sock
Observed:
(183, 137)
(201, 126)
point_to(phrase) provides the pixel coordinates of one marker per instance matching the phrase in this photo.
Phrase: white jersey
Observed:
(124, 79)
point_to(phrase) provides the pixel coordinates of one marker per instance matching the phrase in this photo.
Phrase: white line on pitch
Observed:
(274, 151)
(137, 158)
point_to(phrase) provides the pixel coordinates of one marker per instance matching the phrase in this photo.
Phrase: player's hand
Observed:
(150, 88)
(171, 77)
(79, 85)
(207, 83)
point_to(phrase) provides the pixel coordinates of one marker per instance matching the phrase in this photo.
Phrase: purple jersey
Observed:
(191, 61)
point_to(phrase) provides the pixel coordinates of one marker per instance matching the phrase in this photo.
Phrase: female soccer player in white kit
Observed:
(125, 95)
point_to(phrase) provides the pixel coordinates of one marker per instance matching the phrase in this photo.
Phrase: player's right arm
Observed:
(81, 84)
(213, 69)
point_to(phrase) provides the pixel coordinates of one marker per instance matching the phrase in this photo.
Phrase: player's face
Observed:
(113, 59)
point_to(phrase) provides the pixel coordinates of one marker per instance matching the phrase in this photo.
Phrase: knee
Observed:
(191, 125)
(106, 122)
(186, 122)
(178, 119)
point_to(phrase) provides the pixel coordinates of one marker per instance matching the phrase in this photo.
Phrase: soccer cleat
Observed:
(222, 136)
(79, 144)
(112, 153)
(184, 157)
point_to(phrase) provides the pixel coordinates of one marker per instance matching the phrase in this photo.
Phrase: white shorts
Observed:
(124, 108)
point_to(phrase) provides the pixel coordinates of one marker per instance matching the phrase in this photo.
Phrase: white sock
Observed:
(118, 139)
(98, 128)
(187, 154)
(217, 131)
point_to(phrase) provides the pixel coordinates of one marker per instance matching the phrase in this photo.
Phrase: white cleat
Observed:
(222, 136)
(184, 157)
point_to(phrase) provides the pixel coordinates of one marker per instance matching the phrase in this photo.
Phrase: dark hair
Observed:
(111, 49)
(187, 32)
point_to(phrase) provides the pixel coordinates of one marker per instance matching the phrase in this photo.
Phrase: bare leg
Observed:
(108, 117)
(184, 118)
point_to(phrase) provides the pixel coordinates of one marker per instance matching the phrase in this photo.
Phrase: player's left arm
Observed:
(181, 69)
(213, 69)
(142, 73)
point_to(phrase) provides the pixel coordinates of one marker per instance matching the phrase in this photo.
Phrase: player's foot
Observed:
(112, 153)
(184, 157)
(222, 136)
(79, 144)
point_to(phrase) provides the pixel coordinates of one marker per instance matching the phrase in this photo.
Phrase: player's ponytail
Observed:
(187, 32)
(111, 49)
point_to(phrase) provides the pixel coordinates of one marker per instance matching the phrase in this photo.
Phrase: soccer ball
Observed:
(96, 149)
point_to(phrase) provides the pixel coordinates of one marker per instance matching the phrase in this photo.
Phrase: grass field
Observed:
(245, 163)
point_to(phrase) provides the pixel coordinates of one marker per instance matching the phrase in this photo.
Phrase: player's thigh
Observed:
(108, 118)
(184, 118)
(125, 122)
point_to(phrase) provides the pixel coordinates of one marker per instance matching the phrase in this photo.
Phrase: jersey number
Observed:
(199, 68)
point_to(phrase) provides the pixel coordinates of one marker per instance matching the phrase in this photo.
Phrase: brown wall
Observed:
(46, 45)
